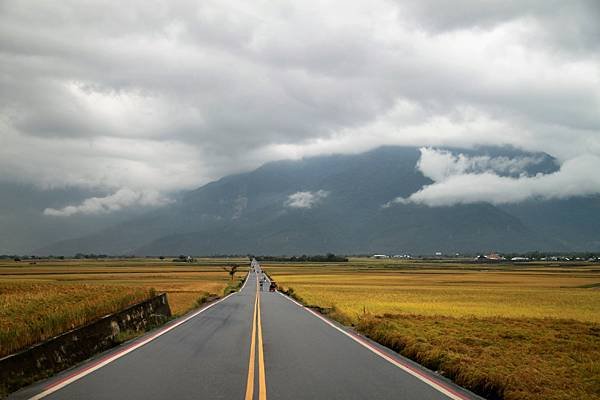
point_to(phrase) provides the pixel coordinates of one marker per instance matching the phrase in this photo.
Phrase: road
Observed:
(253, 344)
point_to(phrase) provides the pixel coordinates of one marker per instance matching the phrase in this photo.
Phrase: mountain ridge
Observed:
(338, 208)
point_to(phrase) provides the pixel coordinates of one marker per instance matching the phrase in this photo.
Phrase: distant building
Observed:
(519, 259)
(407, 256)
(380, 256)
(494, 257)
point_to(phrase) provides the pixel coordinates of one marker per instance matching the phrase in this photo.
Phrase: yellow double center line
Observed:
(256, 328)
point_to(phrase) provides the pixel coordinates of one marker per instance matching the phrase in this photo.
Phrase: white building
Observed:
(380, 256)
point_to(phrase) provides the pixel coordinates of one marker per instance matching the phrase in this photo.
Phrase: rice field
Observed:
(41, 300)
(458, 294)
(32, 312)
(510, 332)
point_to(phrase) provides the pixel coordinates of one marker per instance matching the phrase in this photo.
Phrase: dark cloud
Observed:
(570, 25)
(148, 97)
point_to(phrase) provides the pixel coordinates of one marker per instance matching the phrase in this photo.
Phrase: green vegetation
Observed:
(205, 298)
(233, 287)
(329, 257)
(504, 331)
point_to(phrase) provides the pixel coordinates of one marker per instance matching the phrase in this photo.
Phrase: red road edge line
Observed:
(431, 381)
(88, 369)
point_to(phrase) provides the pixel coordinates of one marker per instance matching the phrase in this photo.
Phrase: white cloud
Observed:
(455, 183)
(114, 202)
(441, 164)
(112, 95)
(305, 199)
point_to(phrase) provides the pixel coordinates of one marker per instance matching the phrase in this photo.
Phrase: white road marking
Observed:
(245, 281)
(62, 383)
(405, 367)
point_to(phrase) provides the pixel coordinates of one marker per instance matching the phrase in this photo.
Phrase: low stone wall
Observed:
(63, 351)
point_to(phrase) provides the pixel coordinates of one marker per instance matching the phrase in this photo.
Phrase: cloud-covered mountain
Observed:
(25, 226)
(345, 204)
(140, 102)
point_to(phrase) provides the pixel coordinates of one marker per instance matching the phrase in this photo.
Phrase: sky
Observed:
(141, 99)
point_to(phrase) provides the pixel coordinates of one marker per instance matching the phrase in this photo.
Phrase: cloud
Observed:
(456, 182)
(441, 164)
(305, 199)
(113, 95)
(545, 16)
(114, 202)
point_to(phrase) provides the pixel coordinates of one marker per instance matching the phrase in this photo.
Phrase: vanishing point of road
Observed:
(253, 344)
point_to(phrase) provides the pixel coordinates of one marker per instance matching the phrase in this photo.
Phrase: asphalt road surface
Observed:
(253, 344)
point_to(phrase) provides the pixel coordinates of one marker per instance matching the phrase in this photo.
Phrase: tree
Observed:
(231, 270)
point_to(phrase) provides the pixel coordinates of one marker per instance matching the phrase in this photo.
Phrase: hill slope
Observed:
(332, 203)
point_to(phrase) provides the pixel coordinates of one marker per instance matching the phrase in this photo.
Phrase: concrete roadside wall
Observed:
(63, 351)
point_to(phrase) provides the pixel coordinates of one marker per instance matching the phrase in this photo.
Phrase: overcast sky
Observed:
(144, 98)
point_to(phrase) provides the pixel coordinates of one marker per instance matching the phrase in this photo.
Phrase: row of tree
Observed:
(329, 257)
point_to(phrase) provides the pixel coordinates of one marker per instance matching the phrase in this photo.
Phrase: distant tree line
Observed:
(182, 258)
(91, 255)
(77, 256)
(329, 257)
(17, 258)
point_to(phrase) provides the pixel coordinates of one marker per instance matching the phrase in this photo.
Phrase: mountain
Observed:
(574, 222)
(24, 225)
(336, 204)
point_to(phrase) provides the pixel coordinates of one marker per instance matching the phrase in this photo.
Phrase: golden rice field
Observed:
(458, 294)
(41, 300)
(31, 312)
(506, 332)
